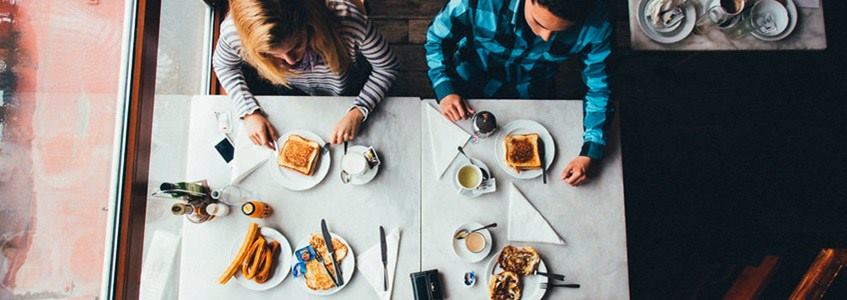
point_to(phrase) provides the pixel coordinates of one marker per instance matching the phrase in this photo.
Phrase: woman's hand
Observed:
(576, 172)
(260, 130)
(348, 127)
(454, 108)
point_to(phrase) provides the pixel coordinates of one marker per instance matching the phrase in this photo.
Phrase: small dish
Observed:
(462, 251)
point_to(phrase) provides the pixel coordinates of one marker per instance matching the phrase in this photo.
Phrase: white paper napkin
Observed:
(369, 264)
(444, 137)
(248, 157)
(526, 224)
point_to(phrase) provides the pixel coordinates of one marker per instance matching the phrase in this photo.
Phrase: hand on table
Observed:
(576, 172)
(348, 127)
(454, 108)
(260, 130)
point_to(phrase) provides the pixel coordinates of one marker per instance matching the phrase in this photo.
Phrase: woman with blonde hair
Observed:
(313, 47)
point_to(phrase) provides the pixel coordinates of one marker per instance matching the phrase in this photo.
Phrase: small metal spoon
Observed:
(462, 234)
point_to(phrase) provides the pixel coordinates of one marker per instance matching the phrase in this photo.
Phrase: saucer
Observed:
(369, 175)
(675, 33)
(463, 253)
(478, 191)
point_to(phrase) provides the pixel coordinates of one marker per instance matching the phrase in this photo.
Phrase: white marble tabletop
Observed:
(809, 34)
(590, 218)
(354, 212)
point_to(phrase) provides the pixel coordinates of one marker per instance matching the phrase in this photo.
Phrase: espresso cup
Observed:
(475, 242)
(469, 177)
(354, 163)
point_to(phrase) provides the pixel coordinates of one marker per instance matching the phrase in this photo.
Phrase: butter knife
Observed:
(542, 155)
(384, 251)
(339, 278)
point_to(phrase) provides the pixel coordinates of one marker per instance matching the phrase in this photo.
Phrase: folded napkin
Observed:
(444, 137)
(248, 157)
(526, 224)
(369, 264)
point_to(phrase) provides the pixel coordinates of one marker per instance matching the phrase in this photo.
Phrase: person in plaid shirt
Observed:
(511, 49)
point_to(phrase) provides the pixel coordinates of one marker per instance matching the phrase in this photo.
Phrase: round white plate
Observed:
(368, 175)
(348, 266)
(462, 252)
(293, 180)
(531, 288)
(672, 36)
(283, 261)
(463, 192)
(792, 22)
(524, 127)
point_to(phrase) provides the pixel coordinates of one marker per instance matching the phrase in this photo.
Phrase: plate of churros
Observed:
(261, 260)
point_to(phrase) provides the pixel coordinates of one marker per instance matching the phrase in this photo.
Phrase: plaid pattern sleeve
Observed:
(441, 41)
(596, 104)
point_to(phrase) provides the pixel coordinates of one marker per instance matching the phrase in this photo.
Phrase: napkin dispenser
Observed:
(426, 285)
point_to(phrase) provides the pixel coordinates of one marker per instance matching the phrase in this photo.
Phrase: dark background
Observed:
(728, 156)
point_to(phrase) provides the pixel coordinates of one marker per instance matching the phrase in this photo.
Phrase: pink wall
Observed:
(52, 208)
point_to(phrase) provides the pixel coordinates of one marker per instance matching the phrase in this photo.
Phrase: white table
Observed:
(590, 218)
(354, 212)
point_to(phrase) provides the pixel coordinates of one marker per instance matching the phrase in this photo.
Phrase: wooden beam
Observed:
(133, 205)
(753, 279)
(820, 274)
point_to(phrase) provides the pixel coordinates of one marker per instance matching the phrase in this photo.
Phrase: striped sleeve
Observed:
(383, 62)
(227, 63)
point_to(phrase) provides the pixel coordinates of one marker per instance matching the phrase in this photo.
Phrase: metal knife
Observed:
(543, 158)
(339, 278)
(320, 260)
(384, 249)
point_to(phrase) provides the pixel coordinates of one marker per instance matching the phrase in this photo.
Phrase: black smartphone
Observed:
(225, 149)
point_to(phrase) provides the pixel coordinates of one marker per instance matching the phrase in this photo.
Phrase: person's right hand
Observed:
(260, 130)
(454, 108)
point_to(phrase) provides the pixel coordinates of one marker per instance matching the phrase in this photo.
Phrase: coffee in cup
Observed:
(469, 177)
(475, 242)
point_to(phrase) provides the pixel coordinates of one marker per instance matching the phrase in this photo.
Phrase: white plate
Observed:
(283, 261)
(369, 175)
(462, 252)
(293, 180)
(531, 289)
(670, 37)
(524, 127)
(469, 193)
(792, 22)
(348, 266)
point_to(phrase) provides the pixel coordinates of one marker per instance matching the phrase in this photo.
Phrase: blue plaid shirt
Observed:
(485, 49)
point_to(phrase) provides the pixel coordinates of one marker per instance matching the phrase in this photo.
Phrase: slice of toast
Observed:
(300, 155)
(504, 286)
(522, 152)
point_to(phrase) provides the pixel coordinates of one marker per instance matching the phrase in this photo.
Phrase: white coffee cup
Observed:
(354, 163)
(469, 177)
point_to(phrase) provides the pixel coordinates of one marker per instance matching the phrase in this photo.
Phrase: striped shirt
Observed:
(485, 48)
(355, 29)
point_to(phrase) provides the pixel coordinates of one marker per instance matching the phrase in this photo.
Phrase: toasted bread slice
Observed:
(504, 286)
(299, 154)
(520, 260)
(522, 152)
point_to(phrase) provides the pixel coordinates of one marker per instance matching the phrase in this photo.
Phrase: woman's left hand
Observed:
(347, 128)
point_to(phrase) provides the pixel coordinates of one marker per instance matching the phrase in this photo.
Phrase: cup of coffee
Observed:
(469, 177)
(354, 163)
(723, 12)
(475, 242)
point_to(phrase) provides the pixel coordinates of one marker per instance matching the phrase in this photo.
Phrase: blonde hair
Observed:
(264, 25)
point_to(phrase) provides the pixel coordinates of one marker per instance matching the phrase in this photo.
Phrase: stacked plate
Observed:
(784, 19)
(676, 24)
